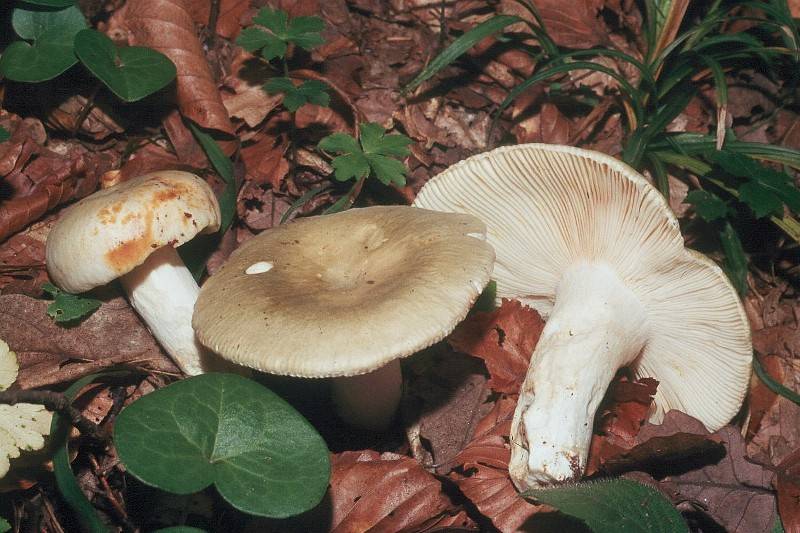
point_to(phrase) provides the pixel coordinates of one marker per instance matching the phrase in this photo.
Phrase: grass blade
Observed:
(458, 47)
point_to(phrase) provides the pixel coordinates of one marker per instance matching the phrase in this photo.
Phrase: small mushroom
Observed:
(130, 231)
(345, 296)
(585, 239)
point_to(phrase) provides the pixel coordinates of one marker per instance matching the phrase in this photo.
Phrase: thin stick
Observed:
(53, 401)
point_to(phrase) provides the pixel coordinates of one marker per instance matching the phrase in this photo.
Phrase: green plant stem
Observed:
(87, 108)
(773, 385)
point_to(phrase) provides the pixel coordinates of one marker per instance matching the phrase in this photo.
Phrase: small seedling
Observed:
(68, 307)
(375, 155)
(222, 429)
(272, 42)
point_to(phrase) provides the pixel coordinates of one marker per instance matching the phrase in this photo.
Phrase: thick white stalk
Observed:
(369, 401)
(163, 292)
(596, 327)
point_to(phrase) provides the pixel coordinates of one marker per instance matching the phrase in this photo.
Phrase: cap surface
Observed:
(113, 231)
(547, 206)
(344, 294)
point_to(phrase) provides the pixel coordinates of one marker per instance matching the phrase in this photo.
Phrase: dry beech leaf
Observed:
(504, 339)
(55, 179)
(173, 33)
(762, 398)
(186, 147)
(569, 24)
(383, 492)
(49, 353)
(733, 491)
(787, 484)
(22, 268)
(483, 476)
(619, 420)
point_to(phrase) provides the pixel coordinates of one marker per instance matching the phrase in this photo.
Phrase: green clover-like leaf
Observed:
(708, 205)
(764, 190)
(294, 97)
(131, 72)
(281, 31)
(224, 429)
(68, 307)
(50, 51)
(375, 154)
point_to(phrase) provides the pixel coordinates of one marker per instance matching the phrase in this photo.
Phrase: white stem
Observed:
(369, 401)
(596, 327)
(163, 292)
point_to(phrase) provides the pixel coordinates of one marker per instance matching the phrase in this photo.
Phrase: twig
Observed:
(53, 401)
(87, 108)
(213, 18)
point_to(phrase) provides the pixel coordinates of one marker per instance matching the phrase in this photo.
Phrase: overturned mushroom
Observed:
(346, 296)
(130, 231)
(585, 239)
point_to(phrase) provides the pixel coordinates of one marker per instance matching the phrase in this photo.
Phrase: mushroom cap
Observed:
(114, 230)
(344, 294)
(547, 206)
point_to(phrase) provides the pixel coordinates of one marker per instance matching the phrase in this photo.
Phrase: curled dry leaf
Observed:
(53, 179)
(186, 147)
(384, 492)
(173, 33)
(504, 339)
(27, 137)
(762, 398)
(49, 353)
(98, 124)
(483, 476)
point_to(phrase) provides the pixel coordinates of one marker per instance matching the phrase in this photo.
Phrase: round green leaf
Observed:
(131, 73)
(52, 34)
(262, 455)
(51, 3)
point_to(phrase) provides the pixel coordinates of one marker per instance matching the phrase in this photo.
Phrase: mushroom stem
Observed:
(369, 401)
(163, 292)
(596, 327)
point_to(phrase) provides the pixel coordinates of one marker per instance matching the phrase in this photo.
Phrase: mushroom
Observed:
(130, 231)
(345, 296)
(587, 241)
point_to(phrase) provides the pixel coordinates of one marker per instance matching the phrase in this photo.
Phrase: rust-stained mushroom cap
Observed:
(113, 231)
(344, 294)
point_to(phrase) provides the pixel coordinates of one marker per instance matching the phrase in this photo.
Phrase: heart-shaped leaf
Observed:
(263, 456)
(51, 3)
(131, 73)
(609, 506)
(51, 50)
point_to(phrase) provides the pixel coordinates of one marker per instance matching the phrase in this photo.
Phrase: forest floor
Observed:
(460, 394)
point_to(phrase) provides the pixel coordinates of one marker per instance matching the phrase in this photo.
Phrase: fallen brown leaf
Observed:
(384, 492)
(761, 397)
(229, 19)
(787, 483)
(49, 353)
(504, 339)
(569, 24)
(483, 476)
(734, 491)
(173, 33)
(22, 268)
(56, 178)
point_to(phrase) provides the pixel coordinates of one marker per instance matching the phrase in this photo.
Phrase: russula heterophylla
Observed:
(345, 296)
(130, 231)
(588, 242)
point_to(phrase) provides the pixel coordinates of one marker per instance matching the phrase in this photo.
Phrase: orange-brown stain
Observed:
(127, 255)
(169, 192)
(108, 215)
